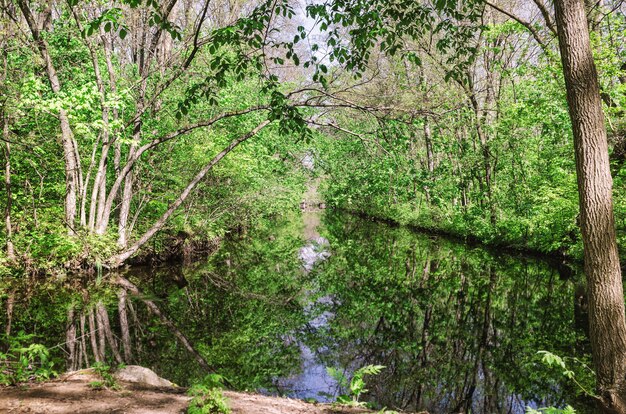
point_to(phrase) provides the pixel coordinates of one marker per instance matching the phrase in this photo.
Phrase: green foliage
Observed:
(97, 385)
(207, 400)
(356, 385)
(25, 363)
(104, 372)
(534, 201)
(553, 360)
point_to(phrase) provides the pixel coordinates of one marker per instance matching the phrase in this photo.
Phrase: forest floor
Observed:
(73, 395)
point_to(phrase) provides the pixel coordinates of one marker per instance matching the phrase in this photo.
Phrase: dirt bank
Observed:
(73, 395)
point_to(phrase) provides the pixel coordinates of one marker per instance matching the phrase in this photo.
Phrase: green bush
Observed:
(207, 400)
(25, 363)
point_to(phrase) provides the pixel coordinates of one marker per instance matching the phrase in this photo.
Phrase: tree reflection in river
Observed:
(457, 327)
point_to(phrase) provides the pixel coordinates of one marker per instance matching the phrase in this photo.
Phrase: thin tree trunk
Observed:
(117, 156)
(607, 321)
(124, 326)
(106, 328)
(72, 179)
(429, 156)
(126, 284)
(429, 145)
(83, 197)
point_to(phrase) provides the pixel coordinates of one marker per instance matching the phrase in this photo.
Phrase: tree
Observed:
(607, 323)
(138, 60)
(394, 21)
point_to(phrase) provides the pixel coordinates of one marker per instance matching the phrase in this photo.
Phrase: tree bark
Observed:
(607, 322)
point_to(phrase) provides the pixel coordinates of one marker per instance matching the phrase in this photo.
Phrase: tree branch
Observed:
(521, 21)
(118, 259)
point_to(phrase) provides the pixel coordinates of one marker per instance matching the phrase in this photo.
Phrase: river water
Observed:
(457, 327)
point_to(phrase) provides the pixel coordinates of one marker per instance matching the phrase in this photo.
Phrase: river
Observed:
(457, 327)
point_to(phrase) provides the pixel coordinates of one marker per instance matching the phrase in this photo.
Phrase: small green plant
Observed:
(104, 372)
(208, 397)
(356, 385)
(554, 361)
(25, 363)
(207, 400)
(97, 385)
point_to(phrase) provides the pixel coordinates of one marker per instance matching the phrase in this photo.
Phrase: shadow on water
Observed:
(458, 328)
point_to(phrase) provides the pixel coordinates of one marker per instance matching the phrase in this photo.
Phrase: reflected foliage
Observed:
(238, 308)
(457, 327)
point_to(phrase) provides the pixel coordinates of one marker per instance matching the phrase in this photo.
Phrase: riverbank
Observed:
(74, 394)
(496, 245)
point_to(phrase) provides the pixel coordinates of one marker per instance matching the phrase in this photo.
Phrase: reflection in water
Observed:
(313, 382)
(315, 251)
(457, 327)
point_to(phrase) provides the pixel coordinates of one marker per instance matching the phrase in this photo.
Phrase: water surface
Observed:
(457, 327)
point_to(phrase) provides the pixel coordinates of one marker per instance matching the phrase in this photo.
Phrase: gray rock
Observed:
(137, 374)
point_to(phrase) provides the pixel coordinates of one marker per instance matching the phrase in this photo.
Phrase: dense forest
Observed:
(152, 132)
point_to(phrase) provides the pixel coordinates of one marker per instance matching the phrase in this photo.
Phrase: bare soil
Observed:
(73, 395)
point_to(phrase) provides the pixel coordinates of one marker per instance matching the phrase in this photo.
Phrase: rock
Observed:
(137, 374)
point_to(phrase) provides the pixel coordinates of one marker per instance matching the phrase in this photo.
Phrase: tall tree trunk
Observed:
(70, 147)
(117, 156)
(607, 322)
